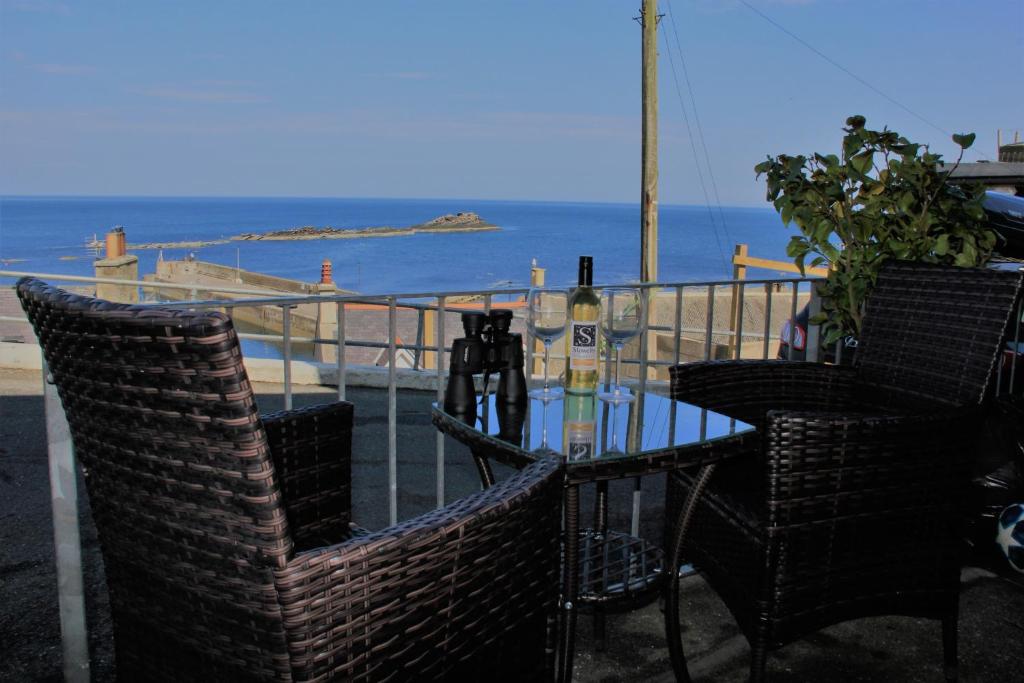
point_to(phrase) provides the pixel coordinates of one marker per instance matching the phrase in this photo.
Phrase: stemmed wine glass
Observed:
(622, 318)
(546, 317)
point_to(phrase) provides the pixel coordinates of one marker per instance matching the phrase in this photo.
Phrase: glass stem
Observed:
(618, 362)
(615, 421)
(544, 426)
(547, 349)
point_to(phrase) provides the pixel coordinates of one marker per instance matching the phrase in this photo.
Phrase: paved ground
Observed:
(878, 649)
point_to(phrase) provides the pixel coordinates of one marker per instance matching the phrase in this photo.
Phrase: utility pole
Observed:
(649, 154)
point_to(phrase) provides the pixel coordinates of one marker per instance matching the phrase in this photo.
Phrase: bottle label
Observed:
(583, 347)
(579, 440)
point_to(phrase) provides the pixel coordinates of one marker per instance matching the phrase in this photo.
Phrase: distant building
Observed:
(999, 176)
(1005, 175)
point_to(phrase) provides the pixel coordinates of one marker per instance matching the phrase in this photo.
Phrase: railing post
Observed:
(439, 437)
(738, 291)
(392, 413)
(792, 321)
(341, 350)
(536, 348)
(813, 340)
(709, 330)
(429, 327)
(417, 355)
(67, 540)
(286, 331)
(739, 272)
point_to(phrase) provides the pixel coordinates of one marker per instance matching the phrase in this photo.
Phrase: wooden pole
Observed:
(649, 153)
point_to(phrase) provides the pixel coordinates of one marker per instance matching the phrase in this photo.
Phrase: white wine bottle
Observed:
(581, 340)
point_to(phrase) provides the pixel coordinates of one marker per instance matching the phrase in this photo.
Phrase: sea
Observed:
(695, 243)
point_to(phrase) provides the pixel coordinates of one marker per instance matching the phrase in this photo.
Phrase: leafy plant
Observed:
(885, 197)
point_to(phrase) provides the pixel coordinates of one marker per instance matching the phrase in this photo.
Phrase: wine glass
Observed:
(546, 317)
(622, 318)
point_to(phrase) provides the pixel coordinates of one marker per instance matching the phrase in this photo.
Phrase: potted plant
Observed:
(884, 197)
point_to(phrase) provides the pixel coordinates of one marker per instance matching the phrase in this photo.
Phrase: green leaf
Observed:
(856, 121)
(942, 245)
(862, 162)
(965, 140)
(787, 212)
(834, 335)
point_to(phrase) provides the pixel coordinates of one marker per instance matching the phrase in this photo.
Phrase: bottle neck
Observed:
(586, 273)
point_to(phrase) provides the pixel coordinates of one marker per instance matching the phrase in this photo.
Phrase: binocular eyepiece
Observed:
(487, 347)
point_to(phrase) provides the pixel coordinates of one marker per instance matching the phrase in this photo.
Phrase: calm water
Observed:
(49, 233)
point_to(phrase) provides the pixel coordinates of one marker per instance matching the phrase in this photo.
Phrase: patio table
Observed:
(605, 569)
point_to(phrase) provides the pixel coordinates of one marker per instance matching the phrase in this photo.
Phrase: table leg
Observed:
(569, 582)
(600, 527)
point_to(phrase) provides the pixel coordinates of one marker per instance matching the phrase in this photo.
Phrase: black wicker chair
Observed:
(849, 507)
(226, 536)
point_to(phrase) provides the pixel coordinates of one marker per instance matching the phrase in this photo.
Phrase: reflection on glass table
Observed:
(580, 427)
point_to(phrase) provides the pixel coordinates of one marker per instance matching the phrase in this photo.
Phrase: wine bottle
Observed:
(581, 340)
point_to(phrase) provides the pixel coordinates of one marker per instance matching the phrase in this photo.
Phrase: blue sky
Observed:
(477, 99)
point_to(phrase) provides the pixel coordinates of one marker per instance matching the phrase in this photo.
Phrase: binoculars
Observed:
(487, 347)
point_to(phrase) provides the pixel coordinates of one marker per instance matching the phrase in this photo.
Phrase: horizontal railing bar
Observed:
(149, 284)
(314, 298)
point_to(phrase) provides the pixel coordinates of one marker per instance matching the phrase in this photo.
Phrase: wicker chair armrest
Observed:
(821, 465)
(432, 589)
(312, 452)
(748, 389)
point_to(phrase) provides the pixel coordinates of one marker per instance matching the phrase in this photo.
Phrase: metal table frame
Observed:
(702, 453)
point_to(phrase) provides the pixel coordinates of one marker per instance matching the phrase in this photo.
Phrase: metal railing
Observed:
(718, 334)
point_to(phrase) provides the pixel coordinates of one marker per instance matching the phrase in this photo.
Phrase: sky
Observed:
(533, 100)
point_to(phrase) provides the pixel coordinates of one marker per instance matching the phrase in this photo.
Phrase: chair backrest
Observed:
(933, 332)
(180, 480)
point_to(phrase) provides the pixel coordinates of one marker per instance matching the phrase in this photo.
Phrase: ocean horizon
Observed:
(47, 234)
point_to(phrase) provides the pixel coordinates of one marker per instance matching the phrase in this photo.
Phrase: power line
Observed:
(700, 128)
(846, 71)
(696, 159)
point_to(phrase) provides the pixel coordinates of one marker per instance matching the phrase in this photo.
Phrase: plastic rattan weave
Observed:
(849, 505)
(227, 539)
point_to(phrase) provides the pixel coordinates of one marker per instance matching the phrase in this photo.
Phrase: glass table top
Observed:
(583, 428)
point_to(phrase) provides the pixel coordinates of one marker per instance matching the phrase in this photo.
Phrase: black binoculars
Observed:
(488, 347)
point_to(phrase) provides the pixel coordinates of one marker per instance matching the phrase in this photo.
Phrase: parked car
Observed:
(1005, 215)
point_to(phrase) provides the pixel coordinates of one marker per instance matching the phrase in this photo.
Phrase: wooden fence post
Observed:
(739, 272)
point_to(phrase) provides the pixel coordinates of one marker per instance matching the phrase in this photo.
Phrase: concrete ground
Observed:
(877, 649)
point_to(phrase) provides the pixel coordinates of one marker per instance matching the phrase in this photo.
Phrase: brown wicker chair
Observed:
(226, 536)
(849, 507)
